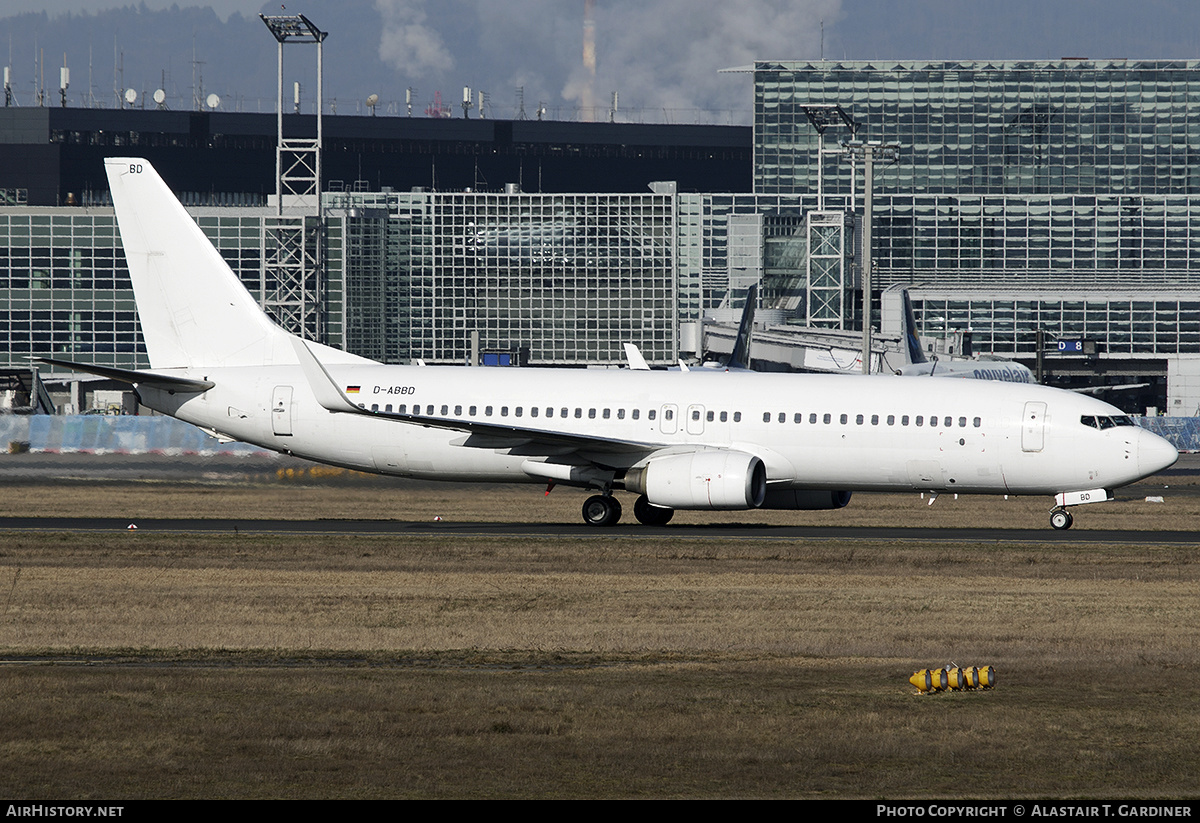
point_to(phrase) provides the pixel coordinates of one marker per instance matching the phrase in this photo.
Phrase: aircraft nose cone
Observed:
(1154, 453)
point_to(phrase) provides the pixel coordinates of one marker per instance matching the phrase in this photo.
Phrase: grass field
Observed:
(152, 665)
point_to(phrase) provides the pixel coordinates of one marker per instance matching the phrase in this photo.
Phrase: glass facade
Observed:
(65, 290)
(980, 127)
(569, 277)
(1073, 185)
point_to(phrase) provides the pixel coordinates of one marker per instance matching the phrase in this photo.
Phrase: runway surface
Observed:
(42, 468)
(577, 532)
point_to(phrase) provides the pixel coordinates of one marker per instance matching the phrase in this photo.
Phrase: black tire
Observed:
(651, 515)
(1061, 519)
(601, 510)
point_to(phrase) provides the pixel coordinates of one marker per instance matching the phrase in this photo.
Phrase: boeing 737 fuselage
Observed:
(695, 440)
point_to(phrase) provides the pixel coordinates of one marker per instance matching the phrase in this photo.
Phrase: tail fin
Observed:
(915, 353)
(739, 358)
(194, 310)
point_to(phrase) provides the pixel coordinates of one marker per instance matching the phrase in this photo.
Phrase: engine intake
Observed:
(713, 479)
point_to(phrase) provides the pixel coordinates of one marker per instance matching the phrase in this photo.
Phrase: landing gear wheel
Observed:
(1061, 519)
(651, 515)
(601, 510)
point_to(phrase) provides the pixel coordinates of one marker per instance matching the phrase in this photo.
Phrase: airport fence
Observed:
(111, 434)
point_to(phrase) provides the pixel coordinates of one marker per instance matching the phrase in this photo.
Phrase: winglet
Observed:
(326, 389)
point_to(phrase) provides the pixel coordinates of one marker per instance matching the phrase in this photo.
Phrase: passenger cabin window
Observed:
(737, 417)
(650, 414)
(766, 417)
(637, 413)
(458, 411)
(724, 417)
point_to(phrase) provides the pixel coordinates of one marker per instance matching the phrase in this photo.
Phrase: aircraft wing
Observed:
(479, 434)
(1098, 389)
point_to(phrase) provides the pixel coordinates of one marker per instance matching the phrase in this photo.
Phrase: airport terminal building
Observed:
(1058, 197)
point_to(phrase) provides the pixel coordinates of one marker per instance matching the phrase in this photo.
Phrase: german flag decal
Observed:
(352, 389)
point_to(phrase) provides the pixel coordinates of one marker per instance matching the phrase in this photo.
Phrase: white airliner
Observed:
(694, 440)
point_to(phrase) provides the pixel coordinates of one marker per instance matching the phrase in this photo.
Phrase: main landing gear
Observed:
(1061, 519)
(605, 510)
(651, 515)
(601, 510)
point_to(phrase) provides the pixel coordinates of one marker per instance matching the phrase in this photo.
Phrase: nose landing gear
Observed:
(1061, 519)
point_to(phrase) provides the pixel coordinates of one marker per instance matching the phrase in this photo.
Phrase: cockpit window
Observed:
(1102, 422)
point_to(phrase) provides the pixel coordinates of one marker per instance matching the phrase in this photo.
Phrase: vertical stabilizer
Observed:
(193, 309)
(739, 358)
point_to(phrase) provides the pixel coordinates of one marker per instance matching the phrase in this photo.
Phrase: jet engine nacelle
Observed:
(702, 480)
(805, 499)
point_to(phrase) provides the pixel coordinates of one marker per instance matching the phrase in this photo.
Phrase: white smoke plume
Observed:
(407, 43)
(662, 57)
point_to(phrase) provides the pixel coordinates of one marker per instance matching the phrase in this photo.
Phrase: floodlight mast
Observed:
(296, 29)
(293, 267)
(821, 116)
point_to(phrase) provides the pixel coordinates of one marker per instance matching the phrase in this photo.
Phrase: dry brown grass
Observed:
(175, 666)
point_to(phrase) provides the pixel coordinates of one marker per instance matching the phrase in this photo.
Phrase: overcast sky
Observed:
(663, 57)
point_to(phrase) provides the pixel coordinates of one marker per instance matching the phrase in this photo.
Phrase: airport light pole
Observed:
(869, 151)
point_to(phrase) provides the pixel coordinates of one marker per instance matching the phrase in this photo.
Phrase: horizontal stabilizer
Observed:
(163, 382)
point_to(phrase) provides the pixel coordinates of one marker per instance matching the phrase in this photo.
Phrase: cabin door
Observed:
(668, 424)
(281, 410)
(1033, 428)
(695, 420)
